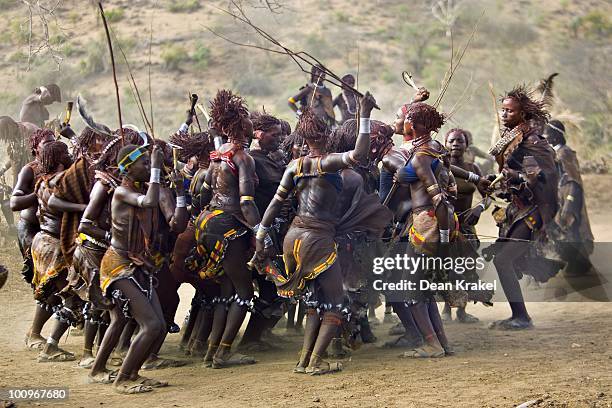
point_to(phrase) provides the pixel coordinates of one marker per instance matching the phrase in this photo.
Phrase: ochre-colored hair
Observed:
(311, 127)
(264, 122)
(228, 112)
(199, 145)
(53, 154)
(424, 115)
(38, 136)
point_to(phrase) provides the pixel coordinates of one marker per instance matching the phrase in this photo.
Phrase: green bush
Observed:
(173, 56)
(95, 60)
(183, 6)
(114, 15)
(201, 56)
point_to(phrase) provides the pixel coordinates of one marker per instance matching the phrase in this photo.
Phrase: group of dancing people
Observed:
(256, 216)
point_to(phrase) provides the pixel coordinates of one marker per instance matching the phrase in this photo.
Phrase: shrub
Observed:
(114, 15)
(201, 56)
(183, 6)
(173, 56)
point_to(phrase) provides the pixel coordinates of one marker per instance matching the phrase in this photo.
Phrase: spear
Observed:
(110, 48)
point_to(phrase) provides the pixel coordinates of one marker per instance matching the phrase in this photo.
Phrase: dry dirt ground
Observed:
(565, 361)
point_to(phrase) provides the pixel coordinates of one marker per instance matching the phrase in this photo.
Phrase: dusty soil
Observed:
(564, 362)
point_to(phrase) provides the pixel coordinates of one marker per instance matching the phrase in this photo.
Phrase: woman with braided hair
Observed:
(530, 183)
(24, 199)
(223, 229)
(198, 147)
(309, 250)
(432, 189)
(50, 267)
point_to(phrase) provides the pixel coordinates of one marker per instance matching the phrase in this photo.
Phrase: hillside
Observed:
(520, 41)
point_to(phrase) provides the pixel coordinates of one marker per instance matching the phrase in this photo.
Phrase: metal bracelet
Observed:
(155, 175)
(364, 125)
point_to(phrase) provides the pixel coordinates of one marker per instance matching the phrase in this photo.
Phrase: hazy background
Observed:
(516, 42)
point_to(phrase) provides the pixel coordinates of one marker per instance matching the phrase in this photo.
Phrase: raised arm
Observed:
(175, 212)
(338, 161)
(23, 194)
(151, 198)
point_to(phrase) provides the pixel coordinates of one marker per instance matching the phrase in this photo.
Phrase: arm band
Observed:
(246, 198)
(86, 220)
(279, 197)
(184, 128)
(292, 100)
(155, 175)
(364, 125)
(140, 200)
(473, 177)
(432, 188)
(181, 202)
(444, 236)
(570, 198)
(261, 231)
(206, 186)
(282, 189)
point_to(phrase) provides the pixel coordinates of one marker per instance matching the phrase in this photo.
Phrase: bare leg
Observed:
(110, 340)
(41, 316)
(504, 263)
(219, 320)
(235, 266)
(151, 328)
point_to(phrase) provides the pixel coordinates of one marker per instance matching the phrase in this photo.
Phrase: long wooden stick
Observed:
(110, 48)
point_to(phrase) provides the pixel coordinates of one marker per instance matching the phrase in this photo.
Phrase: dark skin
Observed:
(146, 312)
(98, 210)
(50, 221)
(225, 193)
(316, 103)
(512, 116)
(318, 198)
(434, 344)
(24, 199)
(457, 144)
(347, 96)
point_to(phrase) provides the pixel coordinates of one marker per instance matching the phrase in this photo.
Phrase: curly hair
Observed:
(311, 127)
(53, 154)
(86, 139)
(533, 109)
(199, 145)
(463, 132)
(228, 112)
(264, 122)
(424, 115)
(38, 136)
